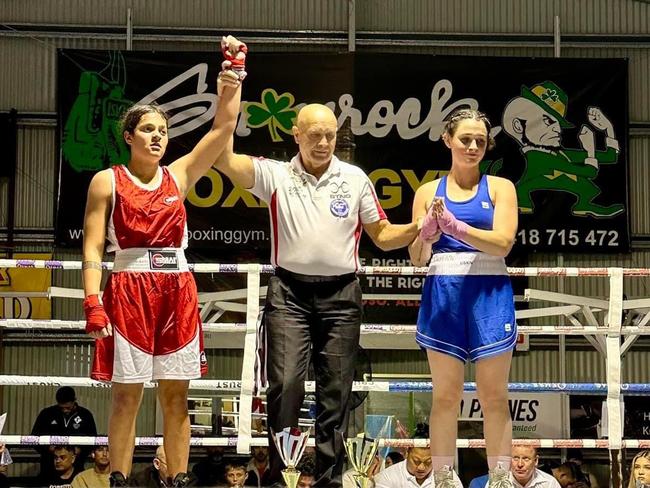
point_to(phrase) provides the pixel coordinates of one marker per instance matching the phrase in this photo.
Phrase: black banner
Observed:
(560, 127)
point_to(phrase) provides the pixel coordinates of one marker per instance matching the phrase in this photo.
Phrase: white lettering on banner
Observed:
(408, 119)
(646, 416)
(533, 414)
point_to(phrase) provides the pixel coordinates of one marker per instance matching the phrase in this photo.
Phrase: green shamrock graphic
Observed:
(275, 111)
(550, 94)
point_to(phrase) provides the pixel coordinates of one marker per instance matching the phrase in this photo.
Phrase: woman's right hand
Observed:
(98, 325)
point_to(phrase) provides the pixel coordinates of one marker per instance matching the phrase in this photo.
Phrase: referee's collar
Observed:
(334, 168)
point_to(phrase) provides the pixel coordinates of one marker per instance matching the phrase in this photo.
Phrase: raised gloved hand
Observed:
(447, 222)
(234, 52)
(97, 323)
(429, 227)
(233, 68)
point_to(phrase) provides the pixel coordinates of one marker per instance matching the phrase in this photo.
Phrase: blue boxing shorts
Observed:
(467, 308)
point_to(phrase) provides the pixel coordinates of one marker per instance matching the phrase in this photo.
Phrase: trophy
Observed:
(290, 443)
(361, 453)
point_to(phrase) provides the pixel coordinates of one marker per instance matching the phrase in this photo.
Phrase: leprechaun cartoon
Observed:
(536, 120)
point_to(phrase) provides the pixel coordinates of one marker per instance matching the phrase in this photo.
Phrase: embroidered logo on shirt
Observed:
(485, 205)
(159, 260)
(508, 327)
(339, 208)
(170, 200)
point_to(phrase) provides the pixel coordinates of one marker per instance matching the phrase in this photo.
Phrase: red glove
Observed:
(96, 318)
(235, 61)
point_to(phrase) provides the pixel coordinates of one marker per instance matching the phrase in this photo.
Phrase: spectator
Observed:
(575, 456)
(523, 472)
(4, 458)
(393, 457)
(64, 468)
(64, 418)
(307, 469)
(415, 470)
(236, 474)
(210, 470)
(97, 476)
(640, 470)
(258, 467)
(569, 476)
(157, 474)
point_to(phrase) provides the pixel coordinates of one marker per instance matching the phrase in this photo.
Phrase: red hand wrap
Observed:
(96, 318)
(238, 62)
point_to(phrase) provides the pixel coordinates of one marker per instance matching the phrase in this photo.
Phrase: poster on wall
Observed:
(560, 127)
(14, 281)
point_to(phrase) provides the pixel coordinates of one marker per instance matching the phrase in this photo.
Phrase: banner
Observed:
(534, 415)
(17, 280)
(560, 127)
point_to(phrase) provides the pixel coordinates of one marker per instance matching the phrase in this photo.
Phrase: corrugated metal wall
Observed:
(29, 86)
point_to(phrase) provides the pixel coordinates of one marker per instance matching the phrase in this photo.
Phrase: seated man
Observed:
(64, 468)
(523, 472)
(414, 471)
(307, 468)
(64, 418)
(97, 476)
(209, 471)
(157, 475)
(258, 467)
(569, 476)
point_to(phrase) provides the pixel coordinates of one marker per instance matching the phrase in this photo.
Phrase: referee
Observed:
(318, 206)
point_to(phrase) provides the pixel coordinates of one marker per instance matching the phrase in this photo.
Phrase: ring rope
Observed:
(368, 386)
(364, 270)
(558, 329)
(45, 440)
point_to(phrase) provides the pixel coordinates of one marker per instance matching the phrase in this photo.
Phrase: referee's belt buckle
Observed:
(163, 260)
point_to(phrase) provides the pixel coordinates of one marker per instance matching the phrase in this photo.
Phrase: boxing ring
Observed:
(612, 339)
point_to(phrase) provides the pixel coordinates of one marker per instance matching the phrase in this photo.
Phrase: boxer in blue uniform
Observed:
(468, 224)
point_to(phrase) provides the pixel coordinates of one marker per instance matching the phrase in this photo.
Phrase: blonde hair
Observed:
(642, 454)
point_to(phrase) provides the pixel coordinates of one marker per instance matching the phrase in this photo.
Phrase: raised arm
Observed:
(98, 206)
(238, 167)
(189, 168)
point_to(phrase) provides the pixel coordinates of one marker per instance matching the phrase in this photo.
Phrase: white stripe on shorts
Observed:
(466, 263)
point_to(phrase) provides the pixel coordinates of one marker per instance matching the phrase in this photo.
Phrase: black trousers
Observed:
(322, 314)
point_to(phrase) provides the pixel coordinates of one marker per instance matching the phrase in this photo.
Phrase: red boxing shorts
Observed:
(151, 300)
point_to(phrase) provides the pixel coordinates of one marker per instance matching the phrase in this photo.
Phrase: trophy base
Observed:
(291, 477)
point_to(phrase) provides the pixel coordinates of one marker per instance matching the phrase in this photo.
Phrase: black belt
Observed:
(303, 278)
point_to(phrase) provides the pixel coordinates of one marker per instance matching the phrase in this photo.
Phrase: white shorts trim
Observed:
(133, 365)
(466, 263)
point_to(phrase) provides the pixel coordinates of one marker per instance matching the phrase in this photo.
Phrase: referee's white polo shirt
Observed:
(316, 224)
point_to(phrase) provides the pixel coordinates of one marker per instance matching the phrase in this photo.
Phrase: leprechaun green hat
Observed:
(551, 98)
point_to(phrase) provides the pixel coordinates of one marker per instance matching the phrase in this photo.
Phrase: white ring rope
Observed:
(363, 270)
(45, 440)
(219, 327)
(610, 344)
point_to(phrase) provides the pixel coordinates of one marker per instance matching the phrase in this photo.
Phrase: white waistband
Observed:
(466, 263)
(159, 260)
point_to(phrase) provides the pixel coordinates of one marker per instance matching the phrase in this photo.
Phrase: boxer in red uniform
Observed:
(147, 326)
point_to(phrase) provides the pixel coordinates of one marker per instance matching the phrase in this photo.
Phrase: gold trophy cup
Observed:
(361, 453)
(290, 443)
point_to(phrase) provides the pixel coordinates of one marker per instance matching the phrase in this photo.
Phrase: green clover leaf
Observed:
(552, 94)
(275, 111)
